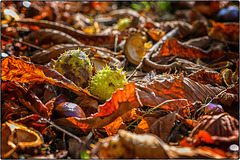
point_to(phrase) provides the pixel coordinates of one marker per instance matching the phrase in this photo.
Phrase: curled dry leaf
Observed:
(49, 36)
(216, 129)
(174, 47)
(129, 145)
(16, 136)
(122, 101)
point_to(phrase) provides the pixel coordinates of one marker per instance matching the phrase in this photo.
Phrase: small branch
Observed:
(64, 131)
(25, 43)
(161, 66)
(154, 48)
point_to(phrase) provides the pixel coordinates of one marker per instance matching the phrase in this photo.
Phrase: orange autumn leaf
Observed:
(112, 128)
(122, 101)
(156, 34)
(120, 96)
(18, 70)
(174, 47)
(225, 31)
(206, 77)
(130, 115)
(205, 136)
(145, 124)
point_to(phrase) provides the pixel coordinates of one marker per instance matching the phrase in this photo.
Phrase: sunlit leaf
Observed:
(122, 101)
(165, 87)
(18, 70)
(113, 127)
(174, 47)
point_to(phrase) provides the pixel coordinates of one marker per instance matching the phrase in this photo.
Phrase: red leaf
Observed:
(121, 95)
(174, 47)
(122, 101)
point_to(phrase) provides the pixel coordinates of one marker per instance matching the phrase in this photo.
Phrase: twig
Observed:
(150, 110)
(170, 34)
(25, 43)
(63, 130)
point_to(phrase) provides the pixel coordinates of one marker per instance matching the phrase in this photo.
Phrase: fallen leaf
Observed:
(145, 125)
(113, 127)
(18, 70)
(206, 77)
(216, 129)
(118, 97)
(12, 89)
(174, 47)
(162, 127)
(89, 39)
(166, 87)
(225, 31)
(122, 101)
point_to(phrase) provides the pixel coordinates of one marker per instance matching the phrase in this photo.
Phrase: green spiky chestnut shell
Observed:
(74, 65)
(107, 81)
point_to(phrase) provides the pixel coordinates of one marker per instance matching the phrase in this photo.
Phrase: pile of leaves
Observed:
(182, 65)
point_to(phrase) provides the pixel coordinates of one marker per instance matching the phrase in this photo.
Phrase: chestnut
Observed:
(59, 99)
(69, 109)
(213, 109)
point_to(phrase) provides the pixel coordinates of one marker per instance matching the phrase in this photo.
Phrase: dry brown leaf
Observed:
(206, 77)
(221, 128)
(89, 39)
(174, 47)
(12, 89)
(165, 87)
(163, 126)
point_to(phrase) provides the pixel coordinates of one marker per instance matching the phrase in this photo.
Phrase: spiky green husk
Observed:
(107, 81)
(75, 65)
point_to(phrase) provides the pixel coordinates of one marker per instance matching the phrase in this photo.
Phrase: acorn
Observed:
(74, 65)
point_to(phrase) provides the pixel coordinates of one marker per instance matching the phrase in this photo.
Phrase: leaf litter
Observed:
(181, 100)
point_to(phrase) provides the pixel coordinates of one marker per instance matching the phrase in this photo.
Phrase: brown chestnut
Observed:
(68, 109)
(59, 99)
